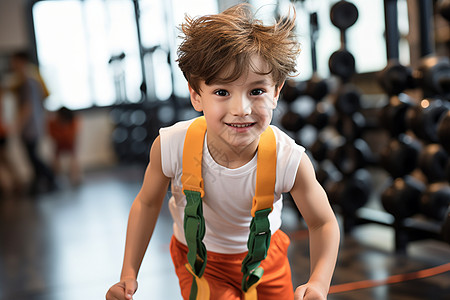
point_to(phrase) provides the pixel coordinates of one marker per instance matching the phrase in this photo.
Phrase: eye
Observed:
(257, 92)
(221, 93)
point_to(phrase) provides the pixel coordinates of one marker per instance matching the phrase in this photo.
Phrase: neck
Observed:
(231, 157)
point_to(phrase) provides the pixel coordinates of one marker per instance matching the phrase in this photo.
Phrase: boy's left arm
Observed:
(312, 201)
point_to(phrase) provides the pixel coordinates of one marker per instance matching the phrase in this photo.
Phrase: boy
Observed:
(235, 68)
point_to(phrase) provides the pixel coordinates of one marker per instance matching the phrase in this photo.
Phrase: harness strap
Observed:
(194, 223)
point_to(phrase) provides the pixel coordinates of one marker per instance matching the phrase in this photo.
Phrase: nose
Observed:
(240, 105)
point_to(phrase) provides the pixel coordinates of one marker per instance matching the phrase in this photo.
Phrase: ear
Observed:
(196, 99)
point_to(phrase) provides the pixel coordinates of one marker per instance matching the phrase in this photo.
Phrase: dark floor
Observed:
(68, 245)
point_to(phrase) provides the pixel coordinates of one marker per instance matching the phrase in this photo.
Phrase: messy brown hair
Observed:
(213, 43)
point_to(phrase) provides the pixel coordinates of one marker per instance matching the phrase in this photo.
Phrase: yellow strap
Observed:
(252, 294)
(192, 156)
(202, 285)
(265, 181)
(265, 171)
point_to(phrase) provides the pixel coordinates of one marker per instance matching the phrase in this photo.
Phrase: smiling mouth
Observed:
(240, 125)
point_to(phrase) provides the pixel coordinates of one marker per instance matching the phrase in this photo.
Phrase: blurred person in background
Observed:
(63, 128)
(31, 91)
(12, 182)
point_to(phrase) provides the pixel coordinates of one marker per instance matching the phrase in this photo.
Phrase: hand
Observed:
(123, 290)
(309, 291)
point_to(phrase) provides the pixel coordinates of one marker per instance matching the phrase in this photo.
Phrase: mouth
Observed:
(240, 125)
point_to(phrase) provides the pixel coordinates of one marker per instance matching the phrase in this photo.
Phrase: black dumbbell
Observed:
(435, 200)
(321, 115)
(392, 116)
(402, 197)
(433, 161)
(343, 14)
(348, 100)
(351, 127)
(292, 121)
(316, 87)
(342, 64)
(400, 156)
(433, 76)
(424, 119)
(395, 78)
(443, 131)
(292, 90)
(351, 156)
(351, 192)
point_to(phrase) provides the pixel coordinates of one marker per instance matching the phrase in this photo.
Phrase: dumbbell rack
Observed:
(406, 230)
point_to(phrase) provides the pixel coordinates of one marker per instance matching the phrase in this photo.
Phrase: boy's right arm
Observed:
(141, 222)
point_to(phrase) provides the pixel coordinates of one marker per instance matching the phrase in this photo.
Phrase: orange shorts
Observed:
(223, 272)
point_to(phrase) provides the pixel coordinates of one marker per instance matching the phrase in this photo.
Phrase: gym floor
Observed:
(68, 245)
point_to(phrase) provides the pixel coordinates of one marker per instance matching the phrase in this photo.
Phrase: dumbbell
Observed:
(319, 149)
(402, 197)
(292, 90)
(424, 119)
(435, 200)
(351, 192)
(443, 131)
(292, 121)
(347, 100)
(316, 87)
(342, 64)
(395, 78)
(351, 127)
(433, 76)
(351, 156)
(320, 117)
(433, 162)
(400, 156)
(392, 116)
(343, 14)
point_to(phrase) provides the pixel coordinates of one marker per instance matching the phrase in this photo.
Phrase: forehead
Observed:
(255, 68)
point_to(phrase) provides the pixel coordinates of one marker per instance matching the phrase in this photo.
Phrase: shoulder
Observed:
(285, 142)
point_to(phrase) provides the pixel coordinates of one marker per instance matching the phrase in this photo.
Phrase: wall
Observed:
(94, 147)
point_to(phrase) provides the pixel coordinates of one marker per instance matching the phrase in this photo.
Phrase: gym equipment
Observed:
(351, 192)
(433, 76)
(292, 121)
(347, 100)
(400, 157)
(351, 156)
(395, 78)
(424, 119)
(392, 116)
(351, 126)
(433, 161)
(342, 64)
(316, 87)
(443, 131)
(435, 200)
(343, 15)
(320, 117)
(319, 149)
(292, 90)
(402, 197)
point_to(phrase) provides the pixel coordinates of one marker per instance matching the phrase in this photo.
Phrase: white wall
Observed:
(94, 149)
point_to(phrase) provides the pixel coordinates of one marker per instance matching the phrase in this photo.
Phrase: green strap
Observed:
(194, 230)
(258, 244)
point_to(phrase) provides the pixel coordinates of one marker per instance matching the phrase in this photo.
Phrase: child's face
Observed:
(237, 113)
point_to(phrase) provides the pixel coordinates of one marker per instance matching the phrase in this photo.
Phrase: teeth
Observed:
(240, 125)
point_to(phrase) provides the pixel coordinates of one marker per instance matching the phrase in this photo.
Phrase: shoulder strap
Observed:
(262, 204)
